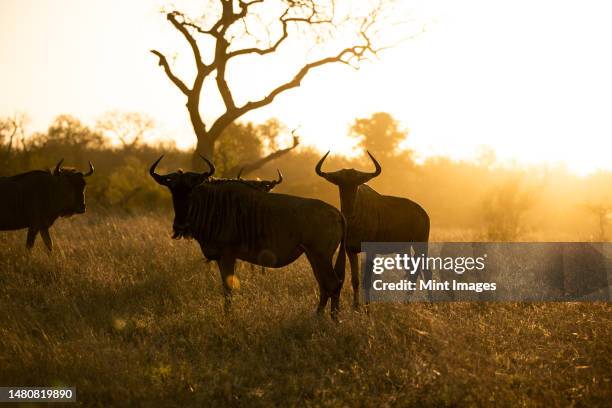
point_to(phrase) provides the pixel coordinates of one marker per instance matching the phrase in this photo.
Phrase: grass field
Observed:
(130, 317)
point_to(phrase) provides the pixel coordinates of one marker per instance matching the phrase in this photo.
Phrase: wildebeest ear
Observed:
(58, 168)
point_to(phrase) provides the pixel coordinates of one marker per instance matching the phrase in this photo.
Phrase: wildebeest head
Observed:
(348, 180)
(180, 185)
(265, 185)
(70, 186)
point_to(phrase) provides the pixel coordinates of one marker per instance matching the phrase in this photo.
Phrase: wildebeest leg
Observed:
(324, 290)
(226, 267)
(367, 282)
(420, 250)
(32, 231)
(335, 303)
(323, 298)
(333, 286)
(354, 261)
(263, 269)
(449, 292)
(44, 233)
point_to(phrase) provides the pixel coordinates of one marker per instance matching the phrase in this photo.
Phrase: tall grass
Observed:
(130, 317)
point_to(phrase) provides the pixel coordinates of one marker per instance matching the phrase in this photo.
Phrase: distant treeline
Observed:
(478, 200)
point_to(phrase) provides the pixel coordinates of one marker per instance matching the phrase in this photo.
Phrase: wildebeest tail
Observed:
(340, 266)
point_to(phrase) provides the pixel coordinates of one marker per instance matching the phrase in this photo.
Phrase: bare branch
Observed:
(182, 27)
(246, 4)
(229, 20)
(248, 168)
(175, 80)
(296, 138)
(16, 125)
(129, 128)
(284, 20)
(223, 87)
(228, 17)
(345, 56)
(10, 128)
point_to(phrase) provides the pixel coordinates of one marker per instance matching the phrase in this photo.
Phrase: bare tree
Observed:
(504, 209)
(129, 128)
(236, 28)
(12, 128)
(603, 213)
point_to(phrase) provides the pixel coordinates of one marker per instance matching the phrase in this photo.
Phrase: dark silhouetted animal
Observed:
(34, 200)
(263, 185)
(372, 217)
(233, 220)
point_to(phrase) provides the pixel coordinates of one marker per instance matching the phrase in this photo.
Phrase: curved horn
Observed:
(320, 164)
(280, 177)
(376, 164)
(159, 179)
(240, 173)
(210, 166)
(91, 170)
(58, 167)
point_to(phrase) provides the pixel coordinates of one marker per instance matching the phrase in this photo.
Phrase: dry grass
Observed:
(130, 317)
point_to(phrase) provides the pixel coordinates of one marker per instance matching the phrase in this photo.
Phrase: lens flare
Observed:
(232, 282)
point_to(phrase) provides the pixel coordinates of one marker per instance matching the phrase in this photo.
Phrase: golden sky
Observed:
(531, 79)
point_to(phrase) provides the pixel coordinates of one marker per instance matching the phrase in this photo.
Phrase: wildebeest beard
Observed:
(181, 227)
(66, 214)
(182, 231)
(227, 213)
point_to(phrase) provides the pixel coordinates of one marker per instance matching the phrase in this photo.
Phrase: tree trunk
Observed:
(206, 148)
(206, 141)
(232, 12)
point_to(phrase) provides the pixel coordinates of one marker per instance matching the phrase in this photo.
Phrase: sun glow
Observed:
(529, 80)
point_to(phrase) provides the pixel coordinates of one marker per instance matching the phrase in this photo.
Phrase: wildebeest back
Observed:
(22, 198)
(380, 218)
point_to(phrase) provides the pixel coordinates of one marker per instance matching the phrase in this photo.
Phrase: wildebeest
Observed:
(474, 250)
(233, 220)
(264, 185)
(372, 217)
(35, 199)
